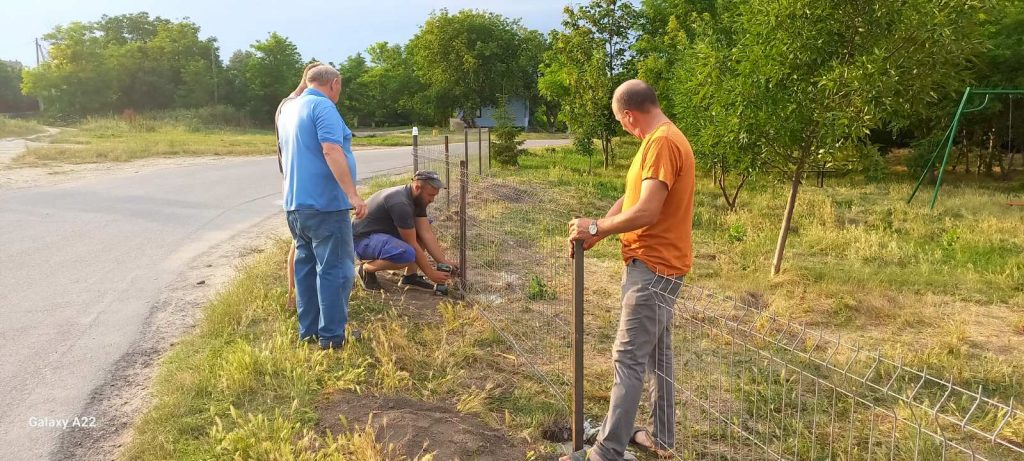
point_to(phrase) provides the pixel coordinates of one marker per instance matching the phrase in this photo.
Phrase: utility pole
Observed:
(40, 57)
(213, 68)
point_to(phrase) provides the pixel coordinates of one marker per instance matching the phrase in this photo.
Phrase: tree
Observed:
(805, 81)
(78, 79)
(392, 94)
(592, 55)
(11, 99)
(127, 61)
(353, 95)
(685, 52)
(553, 84)
(664, 26)
(234, 88)
(271, 73)
(507, 146)
(467, 59)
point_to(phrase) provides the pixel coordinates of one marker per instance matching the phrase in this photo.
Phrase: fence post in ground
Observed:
(480, 148)
(447, 174)
(415, 149)
(463, 222)
(489, 149)
(577, 346)
(465, 145)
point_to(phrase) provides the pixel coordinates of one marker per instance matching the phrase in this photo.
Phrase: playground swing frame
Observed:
(947, 141)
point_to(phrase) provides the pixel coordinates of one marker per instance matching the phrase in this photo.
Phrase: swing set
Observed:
(947, 141)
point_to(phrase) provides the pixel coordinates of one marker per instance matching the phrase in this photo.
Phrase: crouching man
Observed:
(396, 234)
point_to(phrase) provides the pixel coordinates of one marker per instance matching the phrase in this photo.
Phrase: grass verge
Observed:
(13, 128)
(99, 140)
(242, 387)
(942, 290)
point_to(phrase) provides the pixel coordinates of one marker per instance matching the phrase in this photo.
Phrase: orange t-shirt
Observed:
(666, 246)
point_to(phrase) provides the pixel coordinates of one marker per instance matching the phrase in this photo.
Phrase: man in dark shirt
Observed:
(396, 234)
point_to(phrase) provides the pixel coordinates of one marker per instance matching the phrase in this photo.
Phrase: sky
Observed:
(330, 32)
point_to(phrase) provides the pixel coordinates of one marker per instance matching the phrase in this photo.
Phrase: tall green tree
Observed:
(78, 79)
(11, 99)
(803, 82)
(128, 61)
(593, 55)
(353, 96)
(271, 73)
(391, 93)
(468, 58)
(234, 88)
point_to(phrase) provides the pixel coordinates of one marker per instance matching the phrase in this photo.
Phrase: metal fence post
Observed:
(463, 222)
(465, 145)
(577, 346)
(415, 149)
(447, 174)
(480, 148)
(489, 149)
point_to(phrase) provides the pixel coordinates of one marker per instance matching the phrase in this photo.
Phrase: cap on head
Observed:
(429, 177)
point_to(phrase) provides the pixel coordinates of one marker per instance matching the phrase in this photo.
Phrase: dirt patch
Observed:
(125, 394)
(417, 304)
(417, 428)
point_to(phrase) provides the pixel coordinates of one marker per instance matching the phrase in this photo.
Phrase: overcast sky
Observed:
(334, 31)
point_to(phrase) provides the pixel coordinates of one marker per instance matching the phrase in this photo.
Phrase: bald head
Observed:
(634, 96)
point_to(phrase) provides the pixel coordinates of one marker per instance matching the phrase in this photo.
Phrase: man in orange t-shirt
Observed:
(654, 220)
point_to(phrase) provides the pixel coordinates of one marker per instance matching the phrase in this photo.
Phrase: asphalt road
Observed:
(84, 262)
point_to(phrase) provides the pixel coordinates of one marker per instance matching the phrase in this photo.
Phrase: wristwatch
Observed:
(593, 228)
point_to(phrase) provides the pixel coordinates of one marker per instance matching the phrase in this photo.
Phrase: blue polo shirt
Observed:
(305, 123)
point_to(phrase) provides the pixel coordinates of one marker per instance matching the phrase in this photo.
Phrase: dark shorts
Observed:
(386, 247)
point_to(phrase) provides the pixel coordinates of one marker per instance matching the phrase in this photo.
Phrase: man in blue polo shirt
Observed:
(319, 196)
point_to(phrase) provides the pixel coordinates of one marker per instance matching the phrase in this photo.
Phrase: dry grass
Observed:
(12, 128)
(113, 140)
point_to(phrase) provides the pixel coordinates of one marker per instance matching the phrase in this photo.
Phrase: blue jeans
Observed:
(324, 271)
(385, 247)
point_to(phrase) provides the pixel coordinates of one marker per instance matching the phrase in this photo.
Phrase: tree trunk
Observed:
(1009, 164)
(780, 248)
(730, 201)
(606, 148)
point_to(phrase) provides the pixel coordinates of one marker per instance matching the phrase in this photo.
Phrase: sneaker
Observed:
(416, 280)
(353, 335)
(368, 280)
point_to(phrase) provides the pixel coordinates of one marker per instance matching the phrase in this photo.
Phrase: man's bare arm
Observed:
(338, 164)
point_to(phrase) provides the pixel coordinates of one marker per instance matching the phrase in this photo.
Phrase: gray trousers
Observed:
(643, 343)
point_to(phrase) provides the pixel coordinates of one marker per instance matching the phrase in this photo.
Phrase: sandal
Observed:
(649, 443)
(581, 455)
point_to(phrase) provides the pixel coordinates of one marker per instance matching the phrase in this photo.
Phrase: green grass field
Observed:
(98, 140)
(182, 134)
(860, 261)
(13, 128)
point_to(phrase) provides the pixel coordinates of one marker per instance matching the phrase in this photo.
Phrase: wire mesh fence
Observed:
(748, 384)
(753, 385)
(514, 256)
